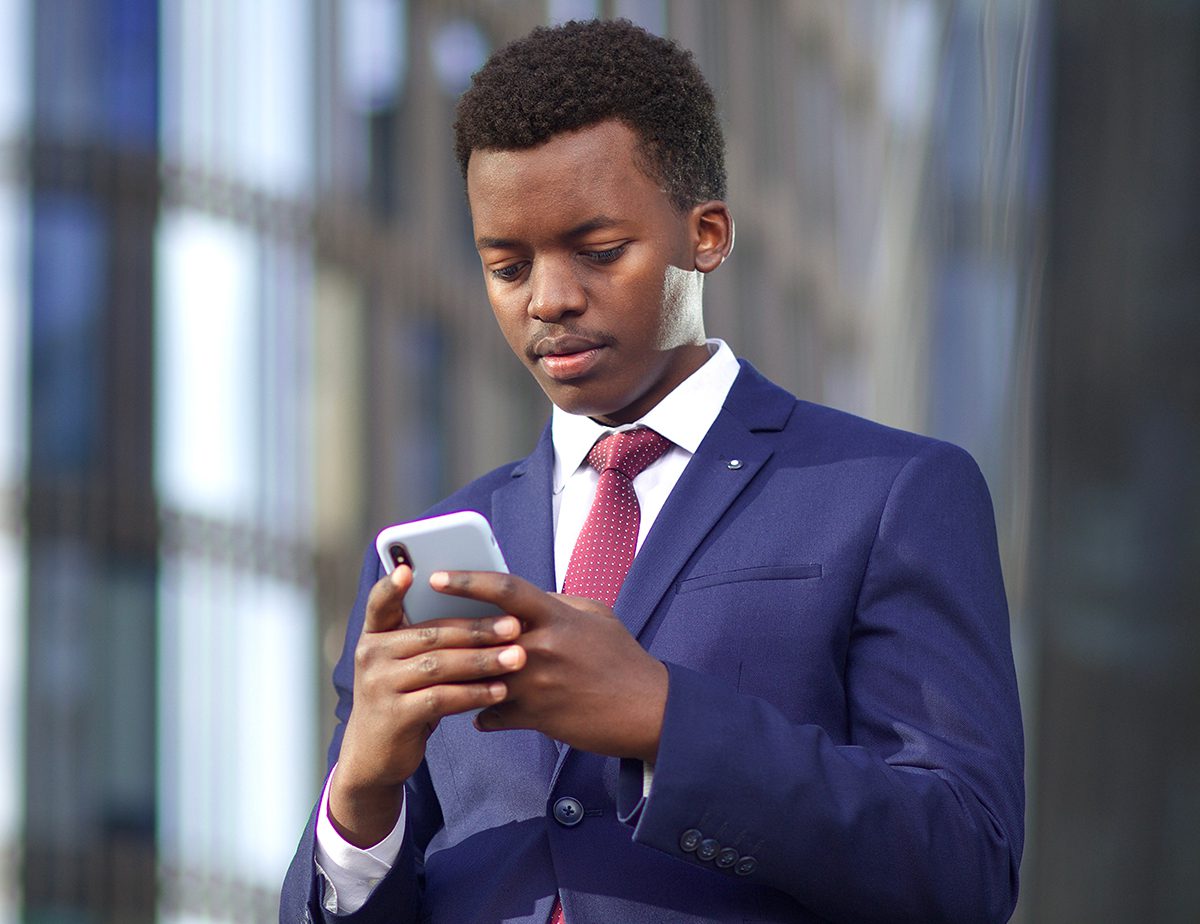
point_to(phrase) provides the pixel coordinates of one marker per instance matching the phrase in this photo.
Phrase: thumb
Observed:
(385, 605)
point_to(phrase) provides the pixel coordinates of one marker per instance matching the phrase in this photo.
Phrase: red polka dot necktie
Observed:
(605, 547)
(606, 544)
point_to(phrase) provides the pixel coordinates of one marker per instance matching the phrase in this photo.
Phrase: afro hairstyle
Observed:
(564, 78)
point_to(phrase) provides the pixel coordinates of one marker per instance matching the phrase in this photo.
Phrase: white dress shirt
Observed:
(684, 417)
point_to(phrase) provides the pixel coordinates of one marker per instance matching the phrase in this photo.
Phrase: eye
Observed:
(508, 273)
(605, 256)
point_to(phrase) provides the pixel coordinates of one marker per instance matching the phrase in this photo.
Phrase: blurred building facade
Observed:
(242, 328)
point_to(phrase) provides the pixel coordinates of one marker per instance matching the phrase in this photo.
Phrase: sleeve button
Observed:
(745, 866)
(708, 849)
(690, 840)
(726, 858)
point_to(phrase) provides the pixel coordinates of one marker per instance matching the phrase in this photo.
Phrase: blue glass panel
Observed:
(131, 64)
(96, 70)
(69, 285)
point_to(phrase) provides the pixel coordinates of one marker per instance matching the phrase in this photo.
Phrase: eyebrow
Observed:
(599, 223)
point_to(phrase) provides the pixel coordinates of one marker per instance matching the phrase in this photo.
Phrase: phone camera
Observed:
(399, 553)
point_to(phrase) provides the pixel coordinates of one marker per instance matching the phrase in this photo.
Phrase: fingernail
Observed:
(439, 579)
(510, 657)
(497, 691)
(507, 627)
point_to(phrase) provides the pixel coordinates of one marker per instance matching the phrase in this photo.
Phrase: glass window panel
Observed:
(237, 90)
(910, 61)
(286, 383)
(338, 373)
(65, 54)
(12, 704)
(14, 66)
(131, 71)
(972, 341)
(96, 70)
(125, 652)
(373, 40)
(271, 109)
(14, 386)
(183, 140)
(13, 421)
(237, 714)
(206, 375)
(70, 270)
(275, 736)
(61, 798)
(459, 49)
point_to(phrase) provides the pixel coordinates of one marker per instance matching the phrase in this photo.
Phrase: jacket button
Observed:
(745, 866)
(726, 858)
(568, 812)
(708, 849)
(690, 840)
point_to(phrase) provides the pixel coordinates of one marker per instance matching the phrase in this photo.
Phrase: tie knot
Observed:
(628, 452)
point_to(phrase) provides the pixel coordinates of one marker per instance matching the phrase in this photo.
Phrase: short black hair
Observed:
(562, 78)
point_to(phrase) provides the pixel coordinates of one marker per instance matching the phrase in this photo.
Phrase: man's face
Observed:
(590, 270)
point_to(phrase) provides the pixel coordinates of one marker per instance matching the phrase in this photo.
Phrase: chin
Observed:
(582, 400)
(586, 408)
(581, 408)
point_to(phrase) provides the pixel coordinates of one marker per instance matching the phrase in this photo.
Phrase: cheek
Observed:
(681, 320)
(509, 316)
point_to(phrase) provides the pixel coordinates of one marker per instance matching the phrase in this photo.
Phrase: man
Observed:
(800, 704)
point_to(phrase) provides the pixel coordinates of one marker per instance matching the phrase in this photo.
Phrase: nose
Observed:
(554, 290)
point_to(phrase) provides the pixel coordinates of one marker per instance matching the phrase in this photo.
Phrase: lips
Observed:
(564, 345)
(567, 356)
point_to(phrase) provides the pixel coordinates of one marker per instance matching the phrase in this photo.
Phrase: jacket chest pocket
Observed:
(795, 572)
(779, 632)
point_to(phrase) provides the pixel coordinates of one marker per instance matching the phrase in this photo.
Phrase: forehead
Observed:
(592, 170)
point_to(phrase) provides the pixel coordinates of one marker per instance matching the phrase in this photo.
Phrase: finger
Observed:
(484, 632)
(385, 605)
(507, 591)
(456, 666)
(437, 702)
(409, 659)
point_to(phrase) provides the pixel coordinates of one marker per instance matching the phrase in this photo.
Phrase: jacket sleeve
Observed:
(396, 899)
(914, 812)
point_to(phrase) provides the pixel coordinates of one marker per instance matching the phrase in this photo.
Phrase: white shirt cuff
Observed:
(351, 873)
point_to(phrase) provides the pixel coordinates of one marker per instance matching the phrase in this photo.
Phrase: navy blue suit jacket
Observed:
(842, 739)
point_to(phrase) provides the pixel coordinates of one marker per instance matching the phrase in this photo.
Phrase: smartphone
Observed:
(460, 541)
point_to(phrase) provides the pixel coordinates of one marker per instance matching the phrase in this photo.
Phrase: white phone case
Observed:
(460, 541)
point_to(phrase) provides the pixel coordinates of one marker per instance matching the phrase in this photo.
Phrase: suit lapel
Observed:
(737, 445)
(523, 518)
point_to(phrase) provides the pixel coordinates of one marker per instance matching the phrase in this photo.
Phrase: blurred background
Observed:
(242, 327)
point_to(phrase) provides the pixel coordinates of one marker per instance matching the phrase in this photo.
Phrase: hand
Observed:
(406, 678)
(586, 681)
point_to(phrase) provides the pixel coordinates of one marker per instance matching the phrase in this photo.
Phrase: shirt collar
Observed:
(683, 416)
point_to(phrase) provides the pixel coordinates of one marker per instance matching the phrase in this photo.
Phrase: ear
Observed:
(712, 234)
